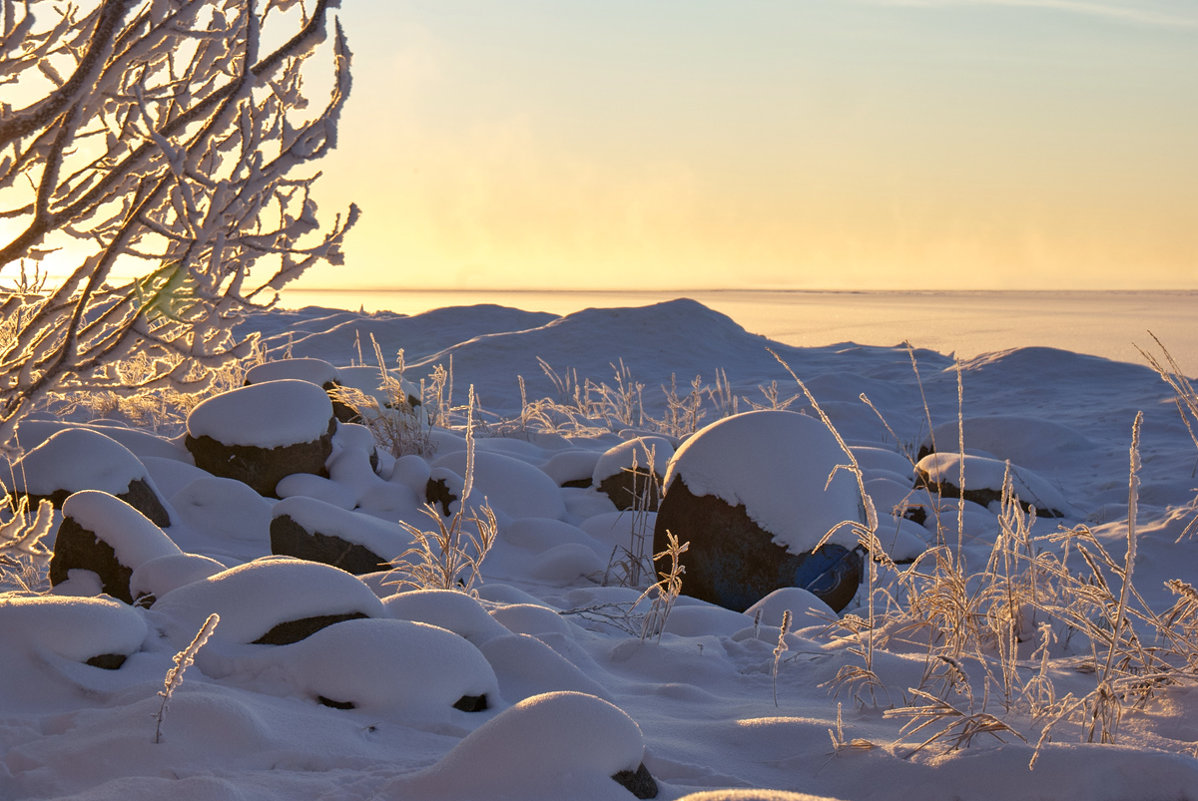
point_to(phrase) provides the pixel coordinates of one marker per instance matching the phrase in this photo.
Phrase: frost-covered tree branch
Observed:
(147, 166)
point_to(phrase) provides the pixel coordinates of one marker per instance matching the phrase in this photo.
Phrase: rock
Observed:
(320, 532)
(109, 537)
(75, 459)
(496, 479)
(751, 494)
(263, 432)
(273, 600)
(310, 369)
(615, 475)
(984, 477)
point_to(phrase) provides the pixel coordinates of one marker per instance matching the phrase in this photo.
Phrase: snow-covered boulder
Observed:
(305, 368)
(260, 433)
(225, 511)
(983, 483)
(514, 488)
(559, 744)
(1029, 441)
(142, 444)
(310, 529)
(107, 536)
(614, 474)
(572, 468)
(271, 601)
(76, 459)
(752, 495)
(422, 671)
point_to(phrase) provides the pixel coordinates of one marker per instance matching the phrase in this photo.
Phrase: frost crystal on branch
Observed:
(146, 155)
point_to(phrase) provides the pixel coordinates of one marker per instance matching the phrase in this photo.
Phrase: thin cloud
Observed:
(1139, 13)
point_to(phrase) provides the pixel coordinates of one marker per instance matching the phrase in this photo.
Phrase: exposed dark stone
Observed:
(733, 562)
(107, 661)
(625, 487)
(142, 498)
(262, 468)
(145, 600)
(983, 496)
(78, 548)
(342, 411)
(639, 782)
(437, 492)
(289, 538)
(320, 699)
(295, 630)
(577, 482)
(139, 495)
(471, 703)
(916, 514)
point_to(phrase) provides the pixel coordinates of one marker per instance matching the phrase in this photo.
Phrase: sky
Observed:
(808, 144)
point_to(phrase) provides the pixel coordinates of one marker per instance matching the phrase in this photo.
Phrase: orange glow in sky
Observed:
(873, 144)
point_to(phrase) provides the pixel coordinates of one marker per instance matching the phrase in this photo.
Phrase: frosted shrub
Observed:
(159, 136)
(24, 560)
(449, 556)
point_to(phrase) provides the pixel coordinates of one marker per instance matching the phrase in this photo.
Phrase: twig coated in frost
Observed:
(174, 676)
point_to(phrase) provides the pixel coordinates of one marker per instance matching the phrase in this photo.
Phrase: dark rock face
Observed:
(471, 703)
(77, 548)
(107, 661)
(438, 493)
(639, 782)
(626, 487)
(262, 468)
(295, 630)
(140, 495)
(289, 538)
(733, 562)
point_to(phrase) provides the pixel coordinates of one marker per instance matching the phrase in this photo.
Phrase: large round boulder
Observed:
(754, 494)
(261, 433)
(75, 459)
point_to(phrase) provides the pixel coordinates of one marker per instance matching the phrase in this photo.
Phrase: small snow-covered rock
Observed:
(984, 477)
(566, 743)
(754, 494)
(1029, 441)
(572, 468)
(512, 487)
(162, 574)
(103, 534)
(806, 608)
(614, 474)
(260, 433)
(526, 666)
(77, 629)
(310, 529)
(76, 459)
(289, 597)
(305, 368)
(420, 670)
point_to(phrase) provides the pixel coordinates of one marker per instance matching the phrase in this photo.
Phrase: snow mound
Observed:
(224, 509)
(73, 628)
(270, 415)
(648, 452)
(984, 482)
(775, 463)
(1028, 441)
(554, 745)
(455, 611)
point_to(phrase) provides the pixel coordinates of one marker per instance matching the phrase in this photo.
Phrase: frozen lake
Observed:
(1108, 324)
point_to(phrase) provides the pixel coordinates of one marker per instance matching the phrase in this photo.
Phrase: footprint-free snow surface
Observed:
(547, 680)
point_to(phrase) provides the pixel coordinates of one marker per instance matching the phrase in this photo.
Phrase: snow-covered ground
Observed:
(575, 694)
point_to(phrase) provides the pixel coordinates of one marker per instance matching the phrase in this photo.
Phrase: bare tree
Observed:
(147, 149)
